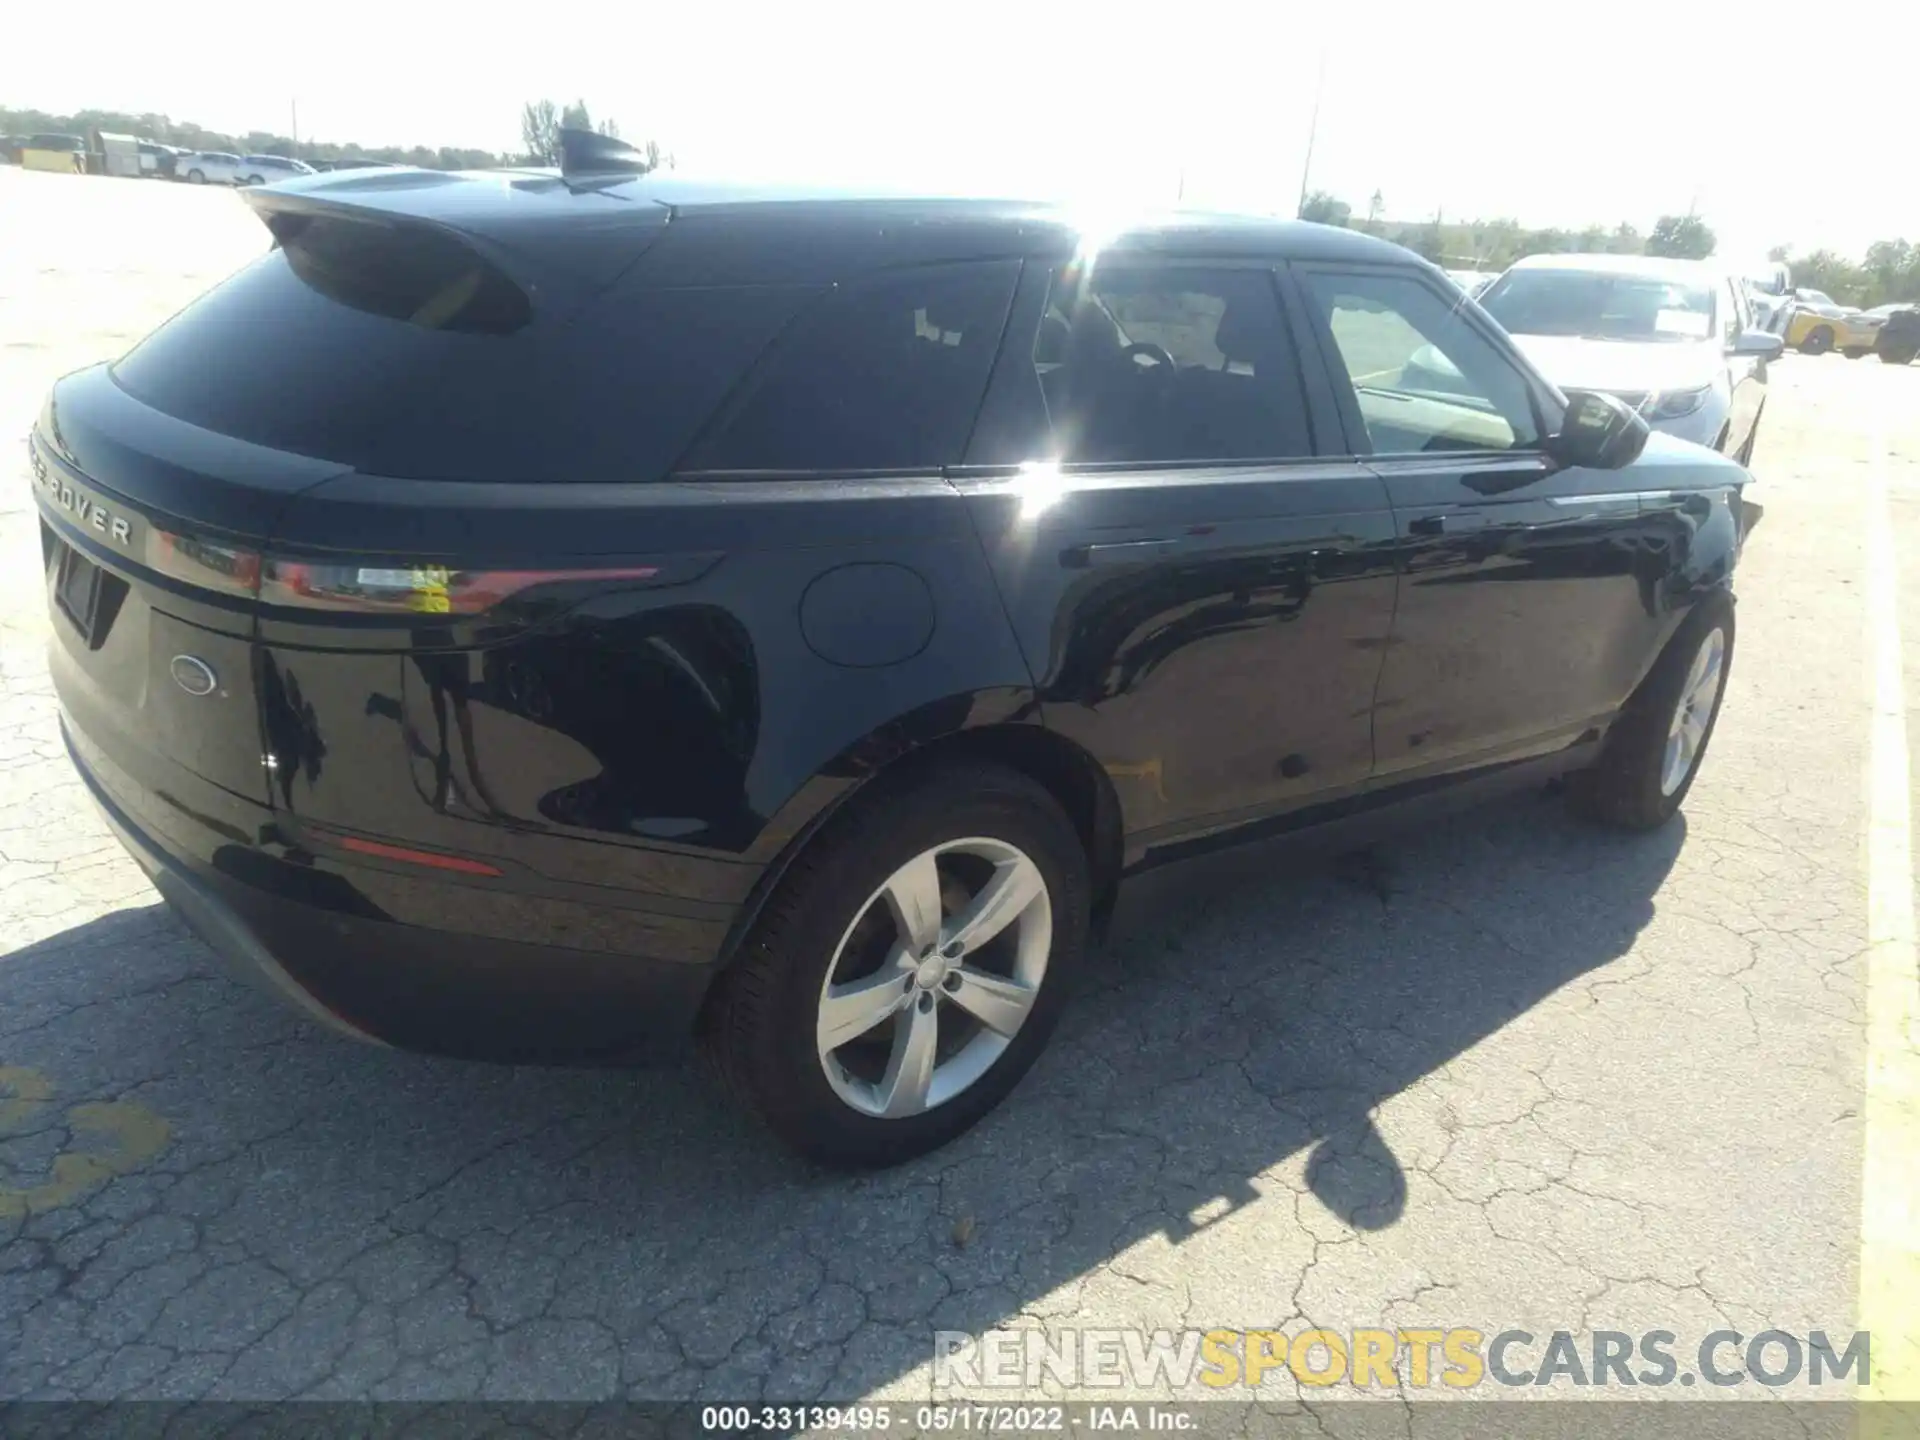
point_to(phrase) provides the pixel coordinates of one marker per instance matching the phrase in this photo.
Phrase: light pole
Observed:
(1313, 126)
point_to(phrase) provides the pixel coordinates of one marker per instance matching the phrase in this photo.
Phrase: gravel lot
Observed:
(1508, 1074)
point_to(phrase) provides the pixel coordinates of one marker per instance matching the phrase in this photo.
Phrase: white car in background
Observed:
(1675, 339)
(207, 167)
(265, 169)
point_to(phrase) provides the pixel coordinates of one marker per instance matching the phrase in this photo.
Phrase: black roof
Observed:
(705, 233)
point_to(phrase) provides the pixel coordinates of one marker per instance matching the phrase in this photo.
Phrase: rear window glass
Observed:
(400, 352)
(882, 374)
(1150, 363)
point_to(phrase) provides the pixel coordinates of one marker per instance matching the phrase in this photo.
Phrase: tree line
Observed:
(188, 136)
(540, 124)
(1496, 244)
(1890, 273)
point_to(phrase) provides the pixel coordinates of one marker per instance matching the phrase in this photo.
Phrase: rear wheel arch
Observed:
(1067, 772)
(1059, 766)
(765, 1027)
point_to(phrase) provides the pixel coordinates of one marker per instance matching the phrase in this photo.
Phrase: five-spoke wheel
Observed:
(917, 1007)
(1699, 698)
(909, 968)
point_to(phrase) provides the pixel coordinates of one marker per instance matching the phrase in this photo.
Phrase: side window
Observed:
(883, 374)
(1151, 363)
(1424, 378)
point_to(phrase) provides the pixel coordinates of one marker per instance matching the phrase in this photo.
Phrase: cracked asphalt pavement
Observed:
(1506, 1073)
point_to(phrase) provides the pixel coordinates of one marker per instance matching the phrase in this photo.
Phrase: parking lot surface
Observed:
(1508, 1073)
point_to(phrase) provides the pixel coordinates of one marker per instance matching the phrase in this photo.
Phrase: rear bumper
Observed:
(305, 933)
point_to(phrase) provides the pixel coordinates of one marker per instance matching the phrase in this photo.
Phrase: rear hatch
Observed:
(147, 529)
(402, 325)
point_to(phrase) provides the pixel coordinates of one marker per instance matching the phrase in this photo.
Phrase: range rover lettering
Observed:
(621, 609)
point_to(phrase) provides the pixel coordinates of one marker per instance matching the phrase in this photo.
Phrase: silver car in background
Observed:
(1675, 339)
(265, 169)
(207, 167)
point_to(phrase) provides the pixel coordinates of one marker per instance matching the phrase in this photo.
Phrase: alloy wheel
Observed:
(1687, 732)
(935, 976)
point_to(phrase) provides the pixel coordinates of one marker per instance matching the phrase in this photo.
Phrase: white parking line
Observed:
(1890, 1177)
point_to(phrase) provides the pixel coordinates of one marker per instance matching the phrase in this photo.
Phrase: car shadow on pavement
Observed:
(506, 1232)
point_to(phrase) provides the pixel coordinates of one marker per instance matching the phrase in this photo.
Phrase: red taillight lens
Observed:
(413, 589)
(210, 564)
(376, 587)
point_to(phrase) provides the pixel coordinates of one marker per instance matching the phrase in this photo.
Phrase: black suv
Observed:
(523, 614)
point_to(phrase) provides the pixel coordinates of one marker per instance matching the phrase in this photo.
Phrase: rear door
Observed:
(1523, 616)
(1200, 592)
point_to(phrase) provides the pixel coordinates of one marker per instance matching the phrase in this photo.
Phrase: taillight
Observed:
(355, 587)
(206, 563)
(413, 589)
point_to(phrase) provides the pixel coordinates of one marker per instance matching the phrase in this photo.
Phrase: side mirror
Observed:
(1759, 344)
(1600, 432)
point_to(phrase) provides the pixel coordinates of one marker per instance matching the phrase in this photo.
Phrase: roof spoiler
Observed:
(530, 227)
(586, 154)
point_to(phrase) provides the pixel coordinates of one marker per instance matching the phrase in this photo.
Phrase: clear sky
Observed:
(1553, 114)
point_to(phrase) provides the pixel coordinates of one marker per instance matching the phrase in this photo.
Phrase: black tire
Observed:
(759, 1028)
(1899, 356)
(1857, 352)
(196, 177)
(256, 180)
(1623, 788)
(1818, 342)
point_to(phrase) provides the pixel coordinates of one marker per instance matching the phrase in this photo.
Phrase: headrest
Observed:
(1242, 335)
